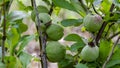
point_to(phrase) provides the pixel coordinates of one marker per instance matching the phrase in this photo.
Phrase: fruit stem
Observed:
(91, 44)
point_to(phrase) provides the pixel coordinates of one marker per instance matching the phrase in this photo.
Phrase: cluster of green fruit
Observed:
(92, 23)
(54, 50)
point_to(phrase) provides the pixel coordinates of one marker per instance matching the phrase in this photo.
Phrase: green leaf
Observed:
(16, 15)
(25, 59)
(71, 22)
(2, 2)
(13, 38)
(65, 64)
(76, 46)
(73, 37)
(47, 2)
(78, 7)
(12, 62)
(41, 9)
(64, 4)
(115, 59)
(24, 41)
(105, 6)
(89, 2)
(22, 27)
(105, 47)
(2, 65)
(80, 65)
(116, 2)
(112, 63)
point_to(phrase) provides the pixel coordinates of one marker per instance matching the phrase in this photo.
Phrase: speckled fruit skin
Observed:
(55, 51)
(89, 53)
(92, 22)
(55, 32)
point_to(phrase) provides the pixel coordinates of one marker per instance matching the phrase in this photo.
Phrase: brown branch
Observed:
(51, 9)
(83, 6)
(111, 53)
(100, 32)
(103, 27)
(42, 38)
(4, 31)
(95, 9)
(114, 35)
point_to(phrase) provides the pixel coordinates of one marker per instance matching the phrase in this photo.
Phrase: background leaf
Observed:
(80, 65)
(105, 47)
(64, 4)
(16, 15)
(73, 37)
(71, 22)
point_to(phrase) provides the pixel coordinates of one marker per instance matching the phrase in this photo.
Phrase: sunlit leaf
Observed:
(13, 38)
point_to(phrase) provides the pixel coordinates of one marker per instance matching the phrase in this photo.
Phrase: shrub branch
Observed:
(4, 31)
(111, 53)
(103, 26)
(42, 37)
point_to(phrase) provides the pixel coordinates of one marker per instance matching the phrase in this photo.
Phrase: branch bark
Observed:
(4, 31)
(114, 35)
(95, 9)
(42, 37)
(111, 53)
(103, 26)
(84, 7)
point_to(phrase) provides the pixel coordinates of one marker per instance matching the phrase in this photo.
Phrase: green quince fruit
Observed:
(89, 53)
(44, 17)
(55, 32)
(55, 51)
(92, 22)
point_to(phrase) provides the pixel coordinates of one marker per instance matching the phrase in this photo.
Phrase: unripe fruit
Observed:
(55, 32)
(55, 51)
(89, 53)
(92, 22)
(44, 17)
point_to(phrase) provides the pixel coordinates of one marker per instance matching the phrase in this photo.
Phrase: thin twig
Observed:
(42, 38)
(9, 5)
(114, 35)
(84, 7)
(109, 28)
(95, 9)
(111, 53)
(51, 9)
